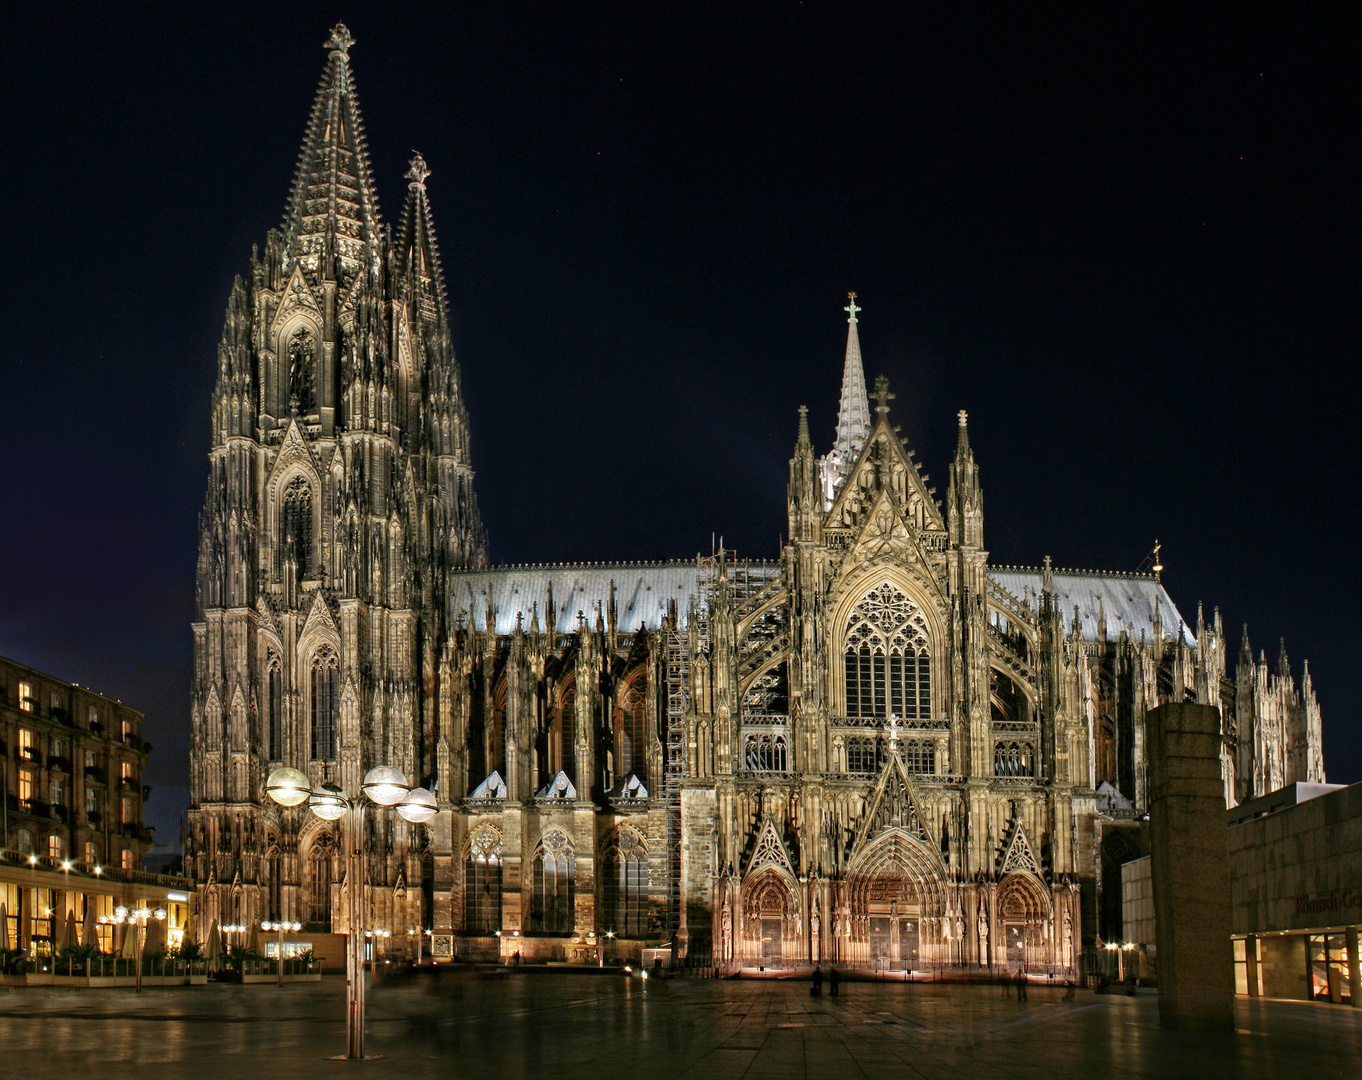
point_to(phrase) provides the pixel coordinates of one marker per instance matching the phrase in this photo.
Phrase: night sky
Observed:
(1128, 246)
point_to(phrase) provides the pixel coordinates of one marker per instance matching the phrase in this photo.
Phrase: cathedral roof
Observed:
(332, 220)
(643, 592)
(1127, 601)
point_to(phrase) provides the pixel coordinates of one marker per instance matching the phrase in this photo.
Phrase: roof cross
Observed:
(851, 308)
(882, 395)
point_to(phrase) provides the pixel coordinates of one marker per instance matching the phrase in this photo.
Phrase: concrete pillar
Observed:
(1189, 837)
(1353, 969)
(1251, 963)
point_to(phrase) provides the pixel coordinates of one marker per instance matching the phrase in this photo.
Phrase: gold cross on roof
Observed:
(851, 308)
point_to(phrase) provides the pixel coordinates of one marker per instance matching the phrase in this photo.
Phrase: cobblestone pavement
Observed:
(579, 1026)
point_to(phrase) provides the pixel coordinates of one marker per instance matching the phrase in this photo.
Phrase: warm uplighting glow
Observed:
(328, 802)
(385, 785)
(418, 807)
(288, 786)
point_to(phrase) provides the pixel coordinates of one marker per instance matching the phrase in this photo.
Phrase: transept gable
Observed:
(884, 464)
(320, 622)
(769, 851)
(293, 450)
(893, 806)
(1016, 855)
(265, 619)
(297, 298)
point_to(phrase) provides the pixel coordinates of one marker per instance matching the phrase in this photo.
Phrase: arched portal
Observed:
(893, 902)
(1025, 931)
(771, 923)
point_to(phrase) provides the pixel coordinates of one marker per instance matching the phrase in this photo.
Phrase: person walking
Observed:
(817, 989)
(833, 980)
(1021, 985)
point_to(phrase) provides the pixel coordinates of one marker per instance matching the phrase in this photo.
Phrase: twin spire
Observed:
(853, 414)
(332, 224)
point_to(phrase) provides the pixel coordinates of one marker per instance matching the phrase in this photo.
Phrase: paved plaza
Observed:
(520, 1026)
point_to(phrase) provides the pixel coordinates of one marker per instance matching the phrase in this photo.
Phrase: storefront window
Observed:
(1329, 968)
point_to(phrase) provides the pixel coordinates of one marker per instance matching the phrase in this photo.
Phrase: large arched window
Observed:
(274, 694)
(888, 658)
(551, 909)
(302, 379)
(319, 875)
(626, 886)
(325, 703)
(296, 521)
(630, 756)
(482, 884)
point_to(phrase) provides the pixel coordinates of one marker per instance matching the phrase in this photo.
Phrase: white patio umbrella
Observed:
(213, 951)
(253, 939)
(151, 944)
(189, 928)
(129, 950)
(4, 929)
(56, 931)
(71, 938)
(89, 933)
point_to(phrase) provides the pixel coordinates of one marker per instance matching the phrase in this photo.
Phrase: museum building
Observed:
(877, 747)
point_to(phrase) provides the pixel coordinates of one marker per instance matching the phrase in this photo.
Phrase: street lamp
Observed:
(383, 786)
(267, 926)
(136, 920)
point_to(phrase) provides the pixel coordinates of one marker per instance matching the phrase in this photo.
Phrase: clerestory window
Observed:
(296, 522)
(325, 704)
(302, 379)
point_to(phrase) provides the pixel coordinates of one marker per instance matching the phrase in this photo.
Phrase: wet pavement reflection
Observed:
(566, 1026)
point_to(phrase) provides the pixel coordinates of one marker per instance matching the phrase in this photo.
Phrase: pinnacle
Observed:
(418, 170)
(853, 414)
(340, 40)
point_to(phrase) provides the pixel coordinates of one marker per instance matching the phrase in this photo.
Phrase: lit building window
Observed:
(58, 791)
(91, 801)
(55, 847)
(482, 884)
(92, 715)
(129, 811)
(129, 859)
(125, 770)
(91, 853)
(26, 786)
(25, 841)
(26, 701)
(555, 868)
(28, 747)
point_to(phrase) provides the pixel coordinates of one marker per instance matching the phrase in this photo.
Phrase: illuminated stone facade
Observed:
(878, 748)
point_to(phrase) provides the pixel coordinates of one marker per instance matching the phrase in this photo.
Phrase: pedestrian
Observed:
(833, 980)
(1006, 984)
(1068, 990)
(817, 989)
(1021, 985)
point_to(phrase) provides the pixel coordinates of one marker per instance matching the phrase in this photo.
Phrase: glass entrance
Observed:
(1329, 968)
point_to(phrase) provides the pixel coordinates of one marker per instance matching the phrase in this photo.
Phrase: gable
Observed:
(293, 450)
(769, 851)
(1017, 854)
(298, 298)
(893, 806)
(883, 465)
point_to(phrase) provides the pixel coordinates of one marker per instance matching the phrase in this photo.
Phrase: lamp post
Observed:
(136, 920)
(383, 786)
(267, 926)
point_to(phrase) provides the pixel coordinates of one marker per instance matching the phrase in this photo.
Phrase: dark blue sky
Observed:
(1126, 244)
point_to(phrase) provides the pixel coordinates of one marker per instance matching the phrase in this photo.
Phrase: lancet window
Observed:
(626, 886)
(296, 518)
(888, 658)
(325, 703)
(274, 698)
(765, 753)
(551, 909)
(302, 379)
(1014, 759)
(629, 727)
(482, 884)
(867, 755)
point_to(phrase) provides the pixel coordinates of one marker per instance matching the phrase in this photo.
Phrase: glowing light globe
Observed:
(385, 785)
(327, 802)
(287, 786)
(418, 807)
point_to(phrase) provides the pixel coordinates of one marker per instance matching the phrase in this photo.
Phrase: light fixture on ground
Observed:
(383, 786)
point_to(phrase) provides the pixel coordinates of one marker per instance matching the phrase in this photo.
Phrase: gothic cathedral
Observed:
(878, 749)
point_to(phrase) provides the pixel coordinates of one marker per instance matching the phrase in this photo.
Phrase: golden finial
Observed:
(1158, 566)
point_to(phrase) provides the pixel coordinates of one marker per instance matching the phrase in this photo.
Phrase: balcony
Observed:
(59, 764)
(27, 753)
(61, 716)
(96, 728)
(60, 812)
(128, 783)
(94, 774)
(94, 817)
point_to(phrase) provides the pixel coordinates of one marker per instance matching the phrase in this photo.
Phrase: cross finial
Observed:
(882, 395)
(418, 170)
(962, 416)
(851, 308)
(340, 40)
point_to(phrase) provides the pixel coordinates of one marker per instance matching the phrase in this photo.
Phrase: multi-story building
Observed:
(877, 747)
(74, 762)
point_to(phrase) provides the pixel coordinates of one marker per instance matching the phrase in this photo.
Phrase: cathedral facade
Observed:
(878, 749)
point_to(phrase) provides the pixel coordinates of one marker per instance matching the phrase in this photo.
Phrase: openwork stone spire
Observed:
(853, 414)
(417, 252)
(332, 221)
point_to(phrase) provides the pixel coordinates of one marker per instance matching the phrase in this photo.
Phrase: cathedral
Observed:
(879, 749)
